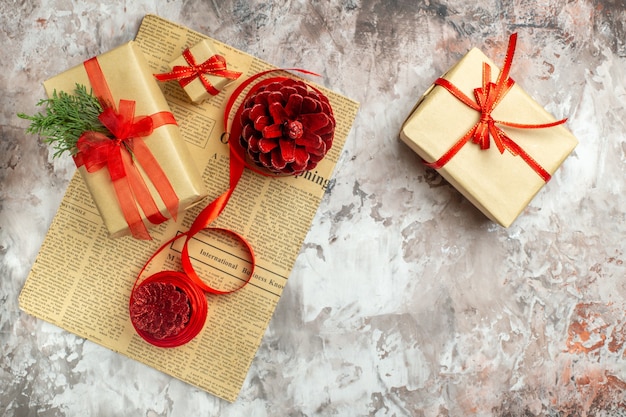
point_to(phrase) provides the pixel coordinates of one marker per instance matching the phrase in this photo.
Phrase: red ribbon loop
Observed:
(487, 97)
(213, 210)
(215, 65)
(96, 151)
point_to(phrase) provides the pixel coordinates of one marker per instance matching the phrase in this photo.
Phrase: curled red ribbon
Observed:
(97, 151)
(487, 97)
(215, 65)
(197, 305)
(204, 219)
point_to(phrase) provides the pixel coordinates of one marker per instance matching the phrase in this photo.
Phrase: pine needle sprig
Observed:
(66, 118)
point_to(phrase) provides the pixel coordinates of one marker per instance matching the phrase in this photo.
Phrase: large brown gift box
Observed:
(129, 77)
(500, 185)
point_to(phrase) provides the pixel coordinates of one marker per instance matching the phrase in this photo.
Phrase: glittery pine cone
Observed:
(287, 127)
(160, 309)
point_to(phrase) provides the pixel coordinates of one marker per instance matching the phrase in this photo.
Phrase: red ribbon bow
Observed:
(215, 65)
(97, 151)
(487, 99)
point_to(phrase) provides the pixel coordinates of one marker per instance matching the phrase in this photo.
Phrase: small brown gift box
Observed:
(196, 88)
(129, 77)
(501, 185)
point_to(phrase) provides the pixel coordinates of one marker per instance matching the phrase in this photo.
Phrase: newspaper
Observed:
(81, 279)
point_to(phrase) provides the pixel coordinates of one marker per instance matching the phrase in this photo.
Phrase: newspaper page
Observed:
(82, 280)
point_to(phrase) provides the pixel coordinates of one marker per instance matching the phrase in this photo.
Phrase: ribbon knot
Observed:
(215, 65)
(486, 99)
(485, 118)
(123, 124)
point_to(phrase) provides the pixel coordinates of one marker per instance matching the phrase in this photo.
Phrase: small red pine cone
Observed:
(160, 309)
(287, 127)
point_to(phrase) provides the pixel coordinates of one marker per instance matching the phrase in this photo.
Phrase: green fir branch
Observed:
(66, 118)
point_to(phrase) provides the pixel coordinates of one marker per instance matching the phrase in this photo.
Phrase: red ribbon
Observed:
(209, 214)
(487, 99)
(197, 303)
(97, 151)
(215, 65)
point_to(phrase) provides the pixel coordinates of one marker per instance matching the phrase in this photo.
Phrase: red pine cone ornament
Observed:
(287, 127)
(160, 309)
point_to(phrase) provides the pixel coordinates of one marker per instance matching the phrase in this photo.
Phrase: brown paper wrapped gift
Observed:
(501, 185)
(201, 71)
(129, 77)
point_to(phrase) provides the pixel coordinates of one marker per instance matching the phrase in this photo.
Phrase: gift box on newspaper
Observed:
(522, 144)
(157, 157)
(201, 71)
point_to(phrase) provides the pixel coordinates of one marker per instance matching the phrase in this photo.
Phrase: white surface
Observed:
(405, 300)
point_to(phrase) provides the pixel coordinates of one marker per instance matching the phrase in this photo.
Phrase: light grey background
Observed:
(405, 300)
